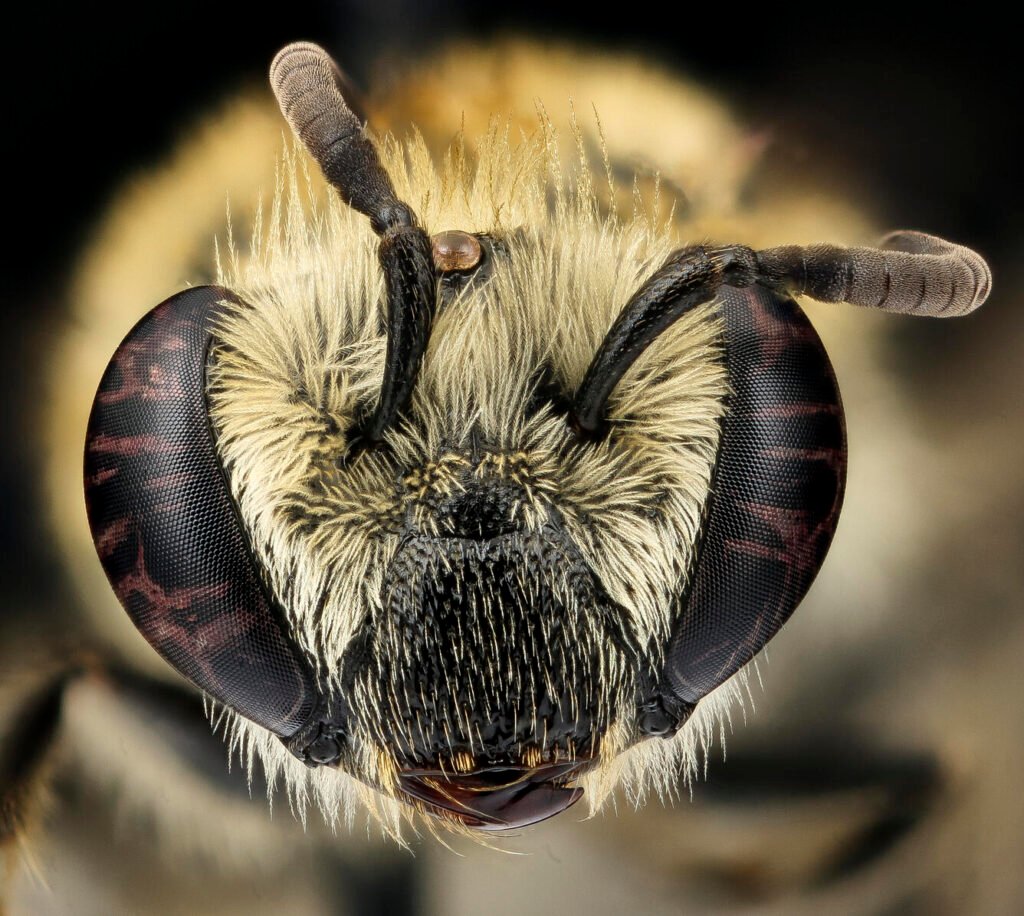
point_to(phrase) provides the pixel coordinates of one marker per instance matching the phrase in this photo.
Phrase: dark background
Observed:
(918, 109)
(915, 113)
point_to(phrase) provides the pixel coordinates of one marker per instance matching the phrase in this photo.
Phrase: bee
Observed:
(467, 492)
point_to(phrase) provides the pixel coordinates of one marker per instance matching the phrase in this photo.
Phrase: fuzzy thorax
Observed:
(301, 363)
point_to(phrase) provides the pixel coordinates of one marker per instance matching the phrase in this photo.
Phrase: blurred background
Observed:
(880, 770)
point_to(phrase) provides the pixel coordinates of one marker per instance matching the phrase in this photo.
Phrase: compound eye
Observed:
(780, 474)
(456, 251)
(165, 525)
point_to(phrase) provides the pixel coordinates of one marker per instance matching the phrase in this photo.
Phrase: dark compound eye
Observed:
(456, 251)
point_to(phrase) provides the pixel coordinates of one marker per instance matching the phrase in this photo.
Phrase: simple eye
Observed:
(461, 258)
(455, 251)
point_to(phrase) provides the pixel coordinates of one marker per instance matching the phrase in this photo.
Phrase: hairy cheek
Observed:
(626, 552)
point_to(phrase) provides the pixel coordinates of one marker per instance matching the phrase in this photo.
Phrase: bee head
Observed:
(402, 493)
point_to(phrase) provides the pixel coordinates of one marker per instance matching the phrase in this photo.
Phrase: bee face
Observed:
(462, 514)
(481, 589)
